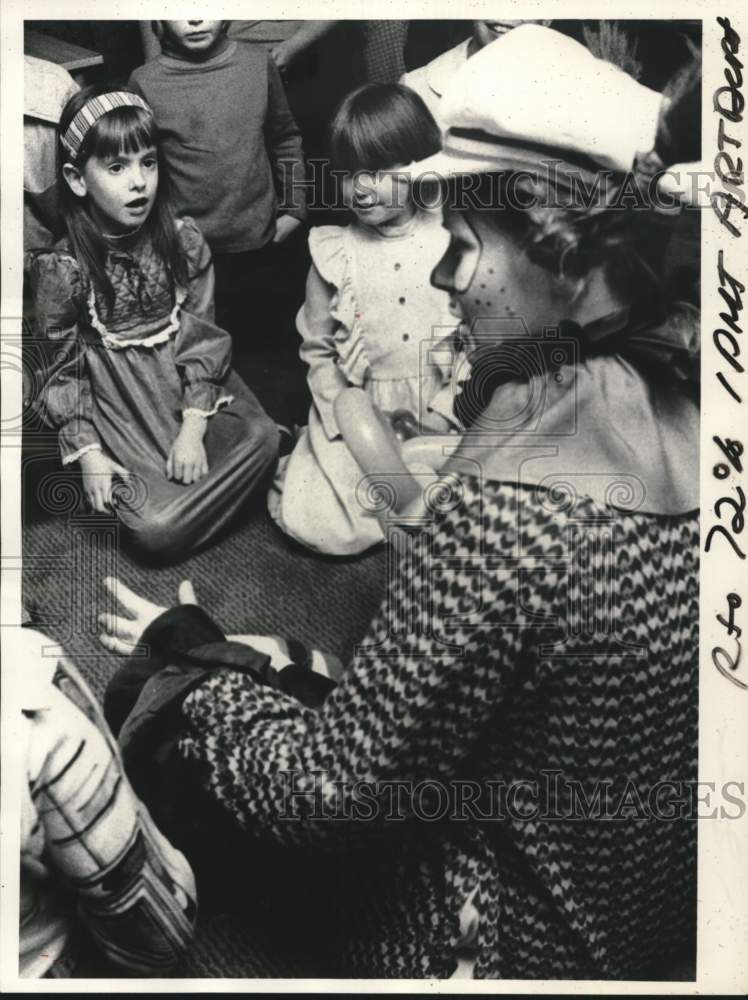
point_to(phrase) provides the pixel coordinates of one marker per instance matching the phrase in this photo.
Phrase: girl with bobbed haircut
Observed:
(369, 309)
(145, 402)
(380, 125)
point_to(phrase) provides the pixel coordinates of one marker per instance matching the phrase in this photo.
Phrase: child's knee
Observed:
(254, 436)
(158, 533)
(262, 438)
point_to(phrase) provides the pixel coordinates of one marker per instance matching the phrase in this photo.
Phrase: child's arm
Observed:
(201, 284)
(202, 350)
(68, 405)
(283, 142)
(65, 400)
(65, 396)
(455, 370)
(187, 461)
(317, 328)
(310, 32)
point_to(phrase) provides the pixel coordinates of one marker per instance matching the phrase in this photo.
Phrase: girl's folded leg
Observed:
(174, 520)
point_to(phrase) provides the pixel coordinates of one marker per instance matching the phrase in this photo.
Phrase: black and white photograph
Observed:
(373, 522)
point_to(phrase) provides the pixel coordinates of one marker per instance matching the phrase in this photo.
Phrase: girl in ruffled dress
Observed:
(145, 394)
(371, 318)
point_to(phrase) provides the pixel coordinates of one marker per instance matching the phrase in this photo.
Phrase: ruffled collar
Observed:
(396, 232)
(126, 243)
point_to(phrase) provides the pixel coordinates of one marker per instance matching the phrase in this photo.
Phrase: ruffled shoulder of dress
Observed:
(194, 244)
(329, 247)
(54, 271)
(329, 251)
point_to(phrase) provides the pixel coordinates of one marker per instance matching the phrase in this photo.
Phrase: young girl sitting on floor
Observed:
(146, 393)
(369, 312)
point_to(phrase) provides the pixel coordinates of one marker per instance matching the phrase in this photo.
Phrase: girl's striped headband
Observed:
(90, 113)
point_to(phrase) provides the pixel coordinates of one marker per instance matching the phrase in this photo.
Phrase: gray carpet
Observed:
(253, 580)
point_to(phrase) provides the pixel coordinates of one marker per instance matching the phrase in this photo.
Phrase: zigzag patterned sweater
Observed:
(530, 681)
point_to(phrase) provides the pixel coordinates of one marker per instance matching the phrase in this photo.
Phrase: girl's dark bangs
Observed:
(359, 148)
(125, 130)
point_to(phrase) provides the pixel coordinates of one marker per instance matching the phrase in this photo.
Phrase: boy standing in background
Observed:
(234, 156)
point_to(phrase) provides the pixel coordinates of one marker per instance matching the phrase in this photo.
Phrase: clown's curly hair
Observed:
(572, 236)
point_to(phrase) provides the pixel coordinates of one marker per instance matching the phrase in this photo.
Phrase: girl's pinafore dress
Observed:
(395, 337)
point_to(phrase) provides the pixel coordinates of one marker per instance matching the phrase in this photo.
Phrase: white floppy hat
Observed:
(536, 96)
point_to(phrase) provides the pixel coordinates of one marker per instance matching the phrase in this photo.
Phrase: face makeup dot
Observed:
(401, 300)
(398, 266)
(406, 336)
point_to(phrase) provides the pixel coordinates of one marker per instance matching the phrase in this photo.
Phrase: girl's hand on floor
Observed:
(284, 226)
(187, 461)
(122, 635)
(98, 469)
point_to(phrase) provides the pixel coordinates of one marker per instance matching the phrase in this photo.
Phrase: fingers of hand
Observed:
(115, 645)
(97, 490)
(201, 468)
(127, 598)
(189, 470)
(99, 499)
(186, 593)
(119, 628)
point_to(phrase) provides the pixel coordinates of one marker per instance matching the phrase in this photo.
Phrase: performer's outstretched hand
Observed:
(121, 635)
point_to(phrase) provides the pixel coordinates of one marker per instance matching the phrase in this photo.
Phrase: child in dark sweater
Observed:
(234, 154)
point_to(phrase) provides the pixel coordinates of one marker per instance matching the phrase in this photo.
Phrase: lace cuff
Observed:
(193, 411)
(76, 437)
(69, 459)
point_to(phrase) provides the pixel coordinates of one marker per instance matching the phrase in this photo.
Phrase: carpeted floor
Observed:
(253, 581)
